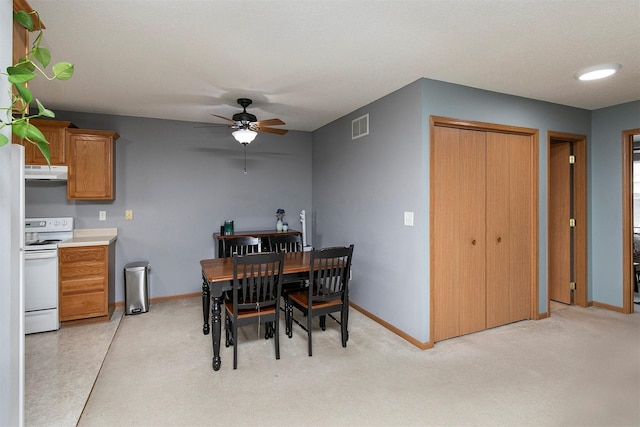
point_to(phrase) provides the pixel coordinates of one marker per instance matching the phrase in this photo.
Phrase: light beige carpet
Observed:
(579, 367)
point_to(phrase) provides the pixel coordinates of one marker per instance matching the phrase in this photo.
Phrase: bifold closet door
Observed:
(458, 232)
(508, 266)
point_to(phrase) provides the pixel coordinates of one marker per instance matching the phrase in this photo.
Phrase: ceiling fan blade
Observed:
(223, 118)
(270, 122)
(269, 130)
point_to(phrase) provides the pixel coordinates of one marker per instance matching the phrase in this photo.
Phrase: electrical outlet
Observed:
(102, 215)
(128, 214)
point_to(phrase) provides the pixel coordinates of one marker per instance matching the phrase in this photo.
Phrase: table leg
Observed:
(215, 336)
(206, 301)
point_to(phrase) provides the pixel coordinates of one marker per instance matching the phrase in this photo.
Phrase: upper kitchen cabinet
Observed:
(91, 160)
(55, 132)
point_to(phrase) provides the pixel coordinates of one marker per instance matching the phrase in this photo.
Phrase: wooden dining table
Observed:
(217, 277)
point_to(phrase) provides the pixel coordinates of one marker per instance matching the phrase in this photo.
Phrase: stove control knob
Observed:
(56, 223)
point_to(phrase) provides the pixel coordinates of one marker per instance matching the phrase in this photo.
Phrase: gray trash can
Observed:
(136, 287)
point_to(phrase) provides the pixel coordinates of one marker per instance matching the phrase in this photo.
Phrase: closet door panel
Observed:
(508, 228)
(472, 223)
(457, 232)
(521, 225)
(498, 232)
(446, 207)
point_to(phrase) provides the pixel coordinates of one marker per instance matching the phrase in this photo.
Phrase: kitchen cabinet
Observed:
(91, 162)
(86, 282)
(55, 132)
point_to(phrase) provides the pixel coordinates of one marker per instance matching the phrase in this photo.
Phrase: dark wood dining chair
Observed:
(327, 293)
(257, 283)
(285, 243)
(242, 245)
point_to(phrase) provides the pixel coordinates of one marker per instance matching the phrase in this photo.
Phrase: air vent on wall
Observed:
(360, 127)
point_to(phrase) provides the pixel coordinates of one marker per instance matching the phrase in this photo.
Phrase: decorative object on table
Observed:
(285, 226)
(228, 227)
(280, 215)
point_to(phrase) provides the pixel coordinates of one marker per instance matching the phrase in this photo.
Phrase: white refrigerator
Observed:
(17, 277)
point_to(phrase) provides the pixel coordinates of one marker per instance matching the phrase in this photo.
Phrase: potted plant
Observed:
(34, 62)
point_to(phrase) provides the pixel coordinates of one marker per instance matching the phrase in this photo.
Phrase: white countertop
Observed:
(91, 237)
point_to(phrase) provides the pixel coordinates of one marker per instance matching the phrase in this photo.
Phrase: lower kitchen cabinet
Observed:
(86, 282)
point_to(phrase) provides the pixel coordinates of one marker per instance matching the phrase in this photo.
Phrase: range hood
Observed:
(51, 173)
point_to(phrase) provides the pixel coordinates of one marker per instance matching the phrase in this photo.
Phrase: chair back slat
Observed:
(257, 280)
(329, 273)
(285, 243)
(242, 245)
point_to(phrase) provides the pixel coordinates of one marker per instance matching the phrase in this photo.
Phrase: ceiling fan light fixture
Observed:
(244, 136)
(598, 72)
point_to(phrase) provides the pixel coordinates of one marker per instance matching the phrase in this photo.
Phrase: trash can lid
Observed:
(136, 265)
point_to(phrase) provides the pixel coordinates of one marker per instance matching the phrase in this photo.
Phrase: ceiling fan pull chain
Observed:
(245, 158)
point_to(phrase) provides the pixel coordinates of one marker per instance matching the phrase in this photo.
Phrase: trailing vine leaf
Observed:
(24, 92)
(24, 19)
(21, 73)
(43, 55)
(25, 130)
(63, 70)
(43, 112)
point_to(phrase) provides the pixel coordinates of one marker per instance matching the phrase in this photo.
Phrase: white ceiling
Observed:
(309, 62)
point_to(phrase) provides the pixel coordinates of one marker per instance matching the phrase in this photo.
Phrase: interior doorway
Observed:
(567, 213)
(629, 137)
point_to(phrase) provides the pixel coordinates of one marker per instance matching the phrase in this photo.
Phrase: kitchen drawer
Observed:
(73, 271)
(82, 254)
(82, 286)
(82, 306)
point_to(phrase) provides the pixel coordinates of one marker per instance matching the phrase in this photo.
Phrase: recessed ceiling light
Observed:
(598, 72)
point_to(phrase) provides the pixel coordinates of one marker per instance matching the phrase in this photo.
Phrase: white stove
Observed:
(42, 236)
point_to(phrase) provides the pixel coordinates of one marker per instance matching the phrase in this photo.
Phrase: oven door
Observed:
(41, 280)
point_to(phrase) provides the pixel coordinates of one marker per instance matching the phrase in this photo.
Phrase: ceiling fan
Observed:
(248, 125)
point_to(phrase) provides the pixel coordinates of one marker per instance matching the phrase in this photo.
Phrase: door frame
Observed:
(534, 202)
(580, 212)
(627, 219)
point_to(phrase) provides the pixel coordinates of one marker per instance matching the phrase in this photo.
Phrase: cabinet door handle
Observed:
(499, 239)
(473, 242)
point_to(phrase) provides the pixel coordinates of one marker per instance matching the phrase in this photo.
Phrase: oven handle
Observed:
(40, 255)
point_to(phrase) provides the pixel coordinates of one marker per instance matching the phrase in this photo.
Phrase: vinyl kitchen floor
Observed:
(60, 370)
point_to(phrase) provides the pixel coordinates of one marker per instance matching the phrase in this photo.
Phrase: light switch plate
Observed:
(102, 215)
(408, 219)
(128, 214)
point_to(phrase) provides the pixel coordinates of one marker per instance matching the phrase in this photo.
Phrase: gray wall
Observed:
(605, 204)
(362, 187)
(182, 182)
